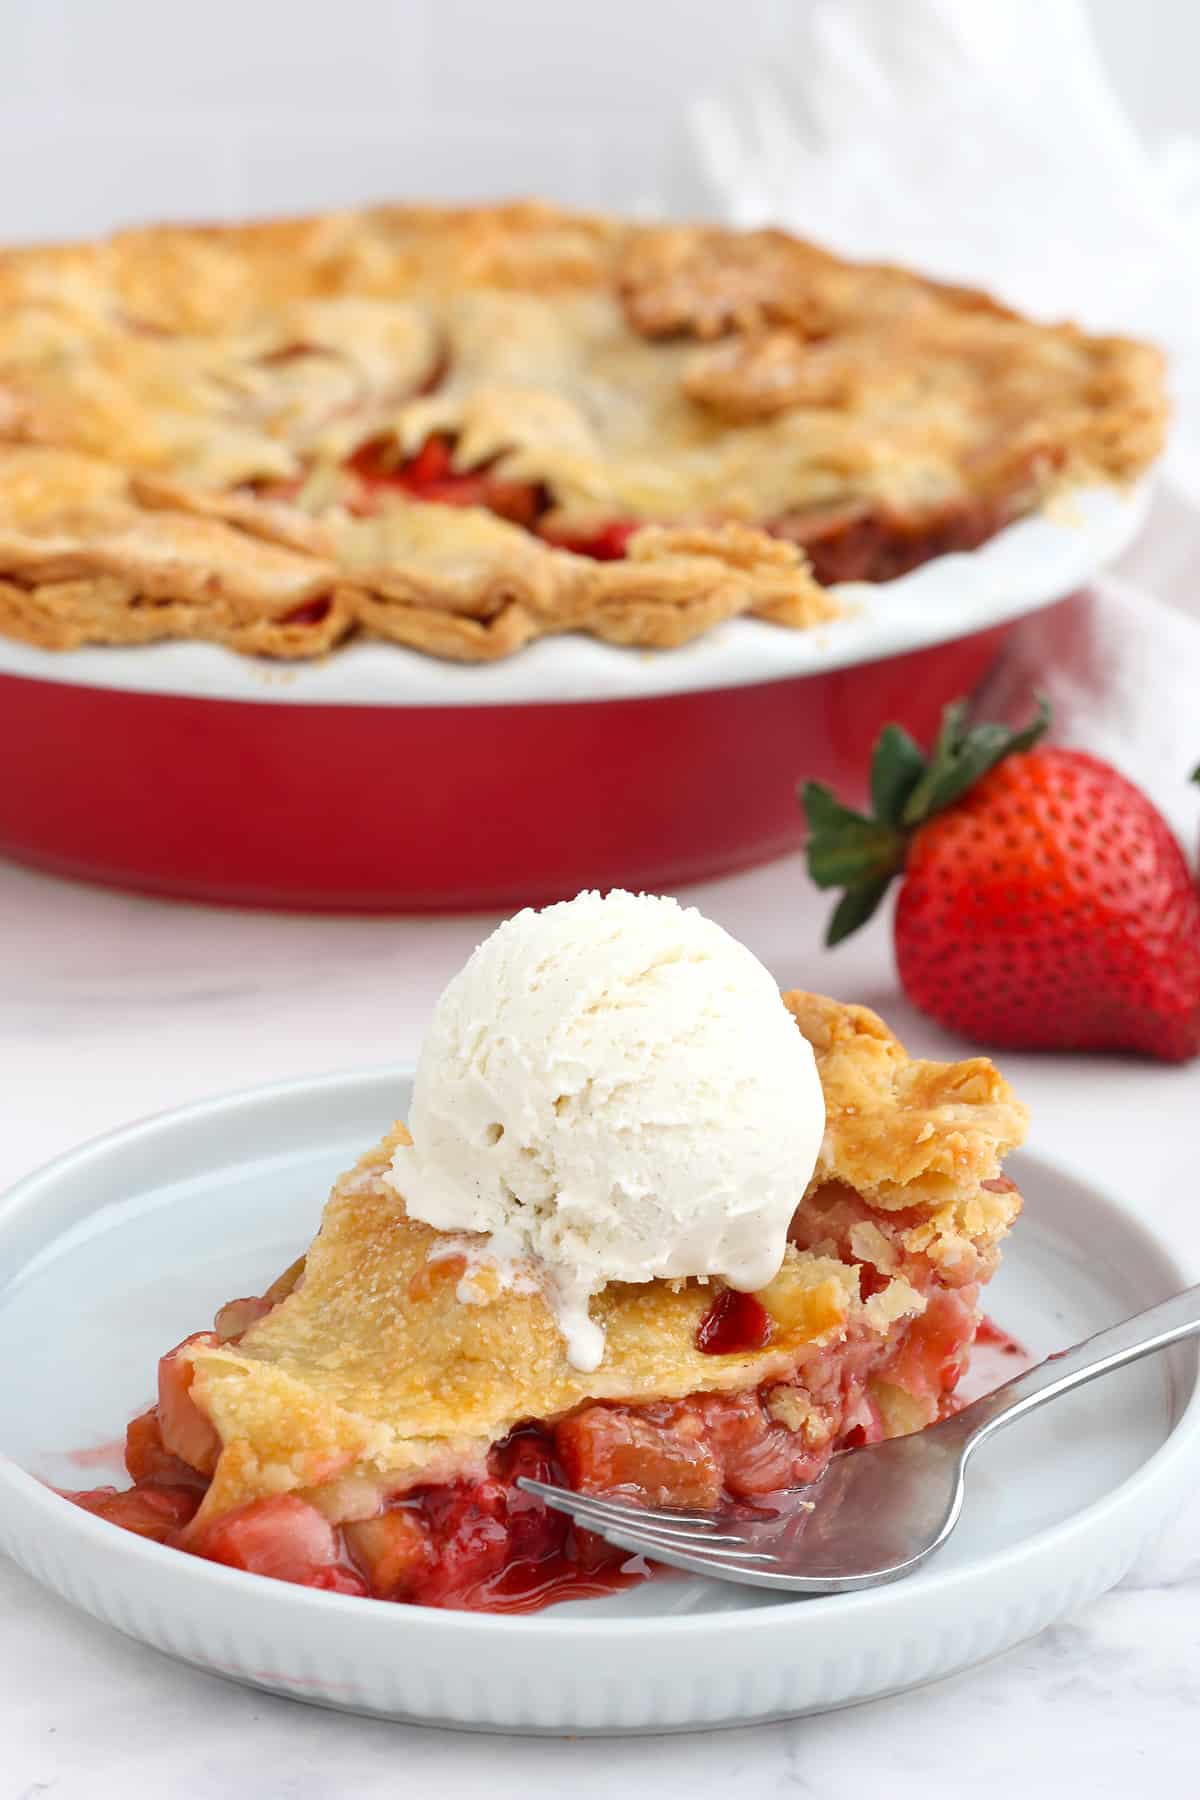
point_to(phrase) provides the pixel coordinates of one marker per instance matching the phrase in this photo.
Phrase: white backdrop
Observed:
(118, 110)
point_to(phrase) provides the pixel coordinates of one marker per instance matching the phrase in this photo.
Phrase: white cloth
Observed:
(983, 143)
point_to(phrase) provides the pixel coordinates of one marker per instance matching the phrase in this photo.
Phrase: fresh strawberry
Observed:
(1044, 902)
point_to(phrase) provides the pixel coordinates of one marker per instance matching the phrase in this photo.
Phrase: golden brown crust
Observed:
(137, 562)
(405, 1367)
(907, 1134)
(677, 377)
(897, 1129)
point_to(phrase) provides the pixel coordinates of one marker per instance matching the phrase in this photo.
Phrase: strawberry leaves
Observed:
(851, 851)
(963, 755)
(861, 852)
(896, 770)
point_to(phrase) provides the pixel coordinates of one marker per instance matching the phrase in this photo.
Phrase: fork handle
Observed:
(1156, 1329)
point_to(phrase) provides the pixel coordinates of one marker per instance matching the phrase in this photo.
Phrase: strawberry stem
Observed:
(861, 852)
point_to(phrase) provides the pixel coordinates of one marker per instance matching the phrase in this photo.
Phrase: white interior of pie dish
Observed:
(116, 1251)
(1032, 563)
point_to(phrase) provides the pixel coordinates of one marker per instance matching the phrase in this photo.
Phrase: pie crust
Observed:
(640, 431)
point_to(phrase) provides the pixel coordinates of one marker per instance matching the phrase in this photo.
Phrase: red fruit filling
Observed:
(734, 1322)
(283, 1537)
(879, 546)
(484, 1544)
(187, 1432)
(311, 612)
(149, 1461)
(148, 1510)
(608, 543)
(430, 475)
(842, 543)
(988, 1332)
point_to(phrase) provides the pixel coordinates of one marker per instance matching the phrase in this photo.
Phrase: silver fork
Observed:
(876, 1513)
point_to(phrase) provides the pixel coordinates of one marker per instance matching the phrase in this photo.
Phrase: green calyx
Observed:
(861, 852)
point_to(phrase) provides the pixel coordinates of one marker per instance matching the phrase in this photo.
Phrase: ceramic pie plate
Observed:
(117, 1250)
(185, 769)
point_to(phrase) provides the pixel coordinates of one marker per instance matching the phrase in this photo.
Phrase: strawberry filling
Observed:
(310, 612)
(283, 1537)
(847, 544)
(483, 1543)
(608, 543)
(990, 1333)
(734, 1322)
(430, 475)
(149, 1510)
(876, 545)
(842, 544)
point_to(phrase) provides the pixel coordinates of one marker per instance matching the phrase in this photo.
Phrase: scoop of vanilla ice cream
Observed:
(613, 1088)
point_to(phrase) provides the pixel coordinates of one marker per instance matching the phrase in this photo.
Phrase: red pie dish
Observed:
(568, 540)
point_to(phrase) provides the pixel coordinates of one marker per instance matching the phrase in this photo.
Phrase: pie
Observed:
(462, 430)
(362, 1426)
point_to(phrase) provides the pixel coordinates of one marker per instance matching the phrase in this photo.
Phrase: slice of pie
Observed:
(462, 430)
(363, 1425)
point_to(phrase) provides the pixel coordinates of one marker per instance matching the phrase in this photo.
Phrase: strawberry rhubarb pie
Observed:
(652, 1231)
(463, 430)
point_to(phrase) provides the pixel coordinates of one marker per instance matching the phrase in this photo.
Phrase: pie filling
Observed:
(431, 476)
(482, 1543)
(848, 543)
(845, 543)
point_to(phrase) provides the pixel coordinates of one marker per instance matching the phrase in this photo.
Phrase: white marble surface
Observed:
(112, 1006)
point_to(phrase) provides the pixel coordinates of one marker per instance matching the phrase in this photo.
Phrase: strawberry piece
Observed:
(434, 461)
(937, 1345)
(150, 1510)
(468, 1522)
(148, 1459)
(515, 501)
(733, 1324)
(283, 1537)
(607, 543)
(658, 1455)
(311, 612)
(393, 1551)
(430, 475)
(871, 1280)
(756, 1456)
(187, 1432)
(1044, 902)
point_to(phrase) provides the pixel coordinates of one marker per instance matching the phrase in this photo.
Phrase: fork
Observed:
(877, 1513)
